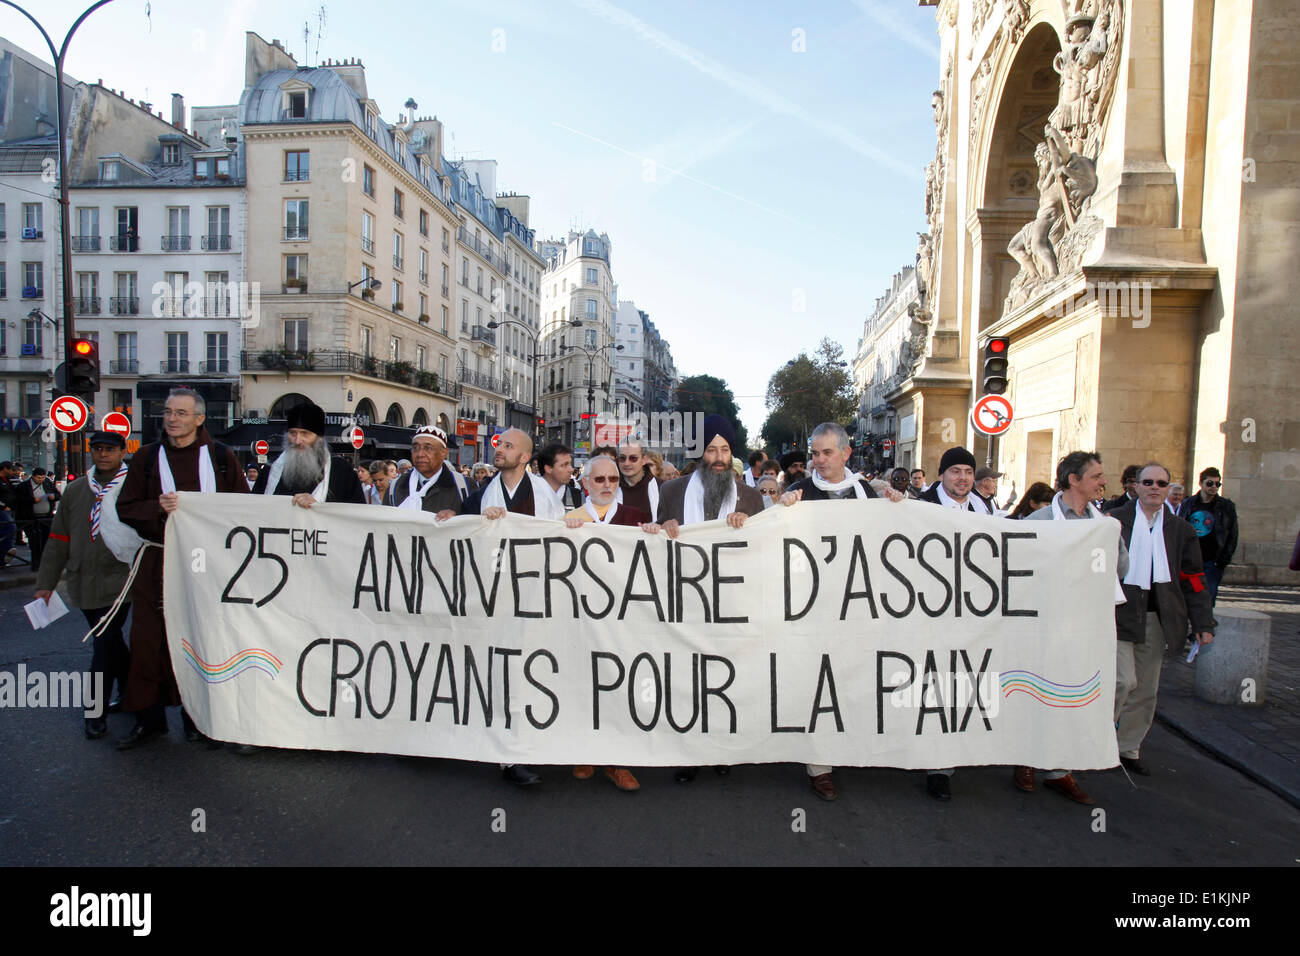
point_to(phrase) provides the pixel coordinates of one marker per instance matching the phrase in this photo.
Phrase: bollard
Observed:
(1234, 668)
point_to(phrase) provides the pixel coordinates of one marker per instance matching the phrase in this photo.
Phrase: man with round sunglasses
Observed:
(1214, 518)
(637, 486)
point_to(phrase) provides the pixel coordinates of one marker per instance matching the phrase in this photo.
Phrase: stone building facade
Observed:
(1114, 189)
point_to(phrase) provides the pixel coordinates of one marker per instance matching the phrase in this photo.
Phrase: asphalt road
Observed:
(68, 801)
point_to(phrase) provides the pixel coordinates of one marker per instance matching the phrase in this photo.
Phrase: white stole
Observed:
(1058, 514)
(207, 477)
(277, 469)
(595, 516)
(947, 502)
(545, 502)
(417, 487)
(693, 501)
(652, 492)
(850, 480)
(1147, 560)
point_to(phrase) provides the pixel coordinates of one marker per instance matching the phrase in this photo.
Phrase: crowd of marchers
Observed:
(1173, 549)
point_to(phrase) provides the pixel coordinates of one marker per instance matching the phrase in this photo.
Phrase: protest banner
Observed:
(852, 634)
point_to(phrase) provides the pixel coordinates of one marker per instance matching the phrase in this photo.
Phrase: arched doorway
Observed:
(285, 402)
(421, 417)
(444, 422)
(395, 415)
(365, 411)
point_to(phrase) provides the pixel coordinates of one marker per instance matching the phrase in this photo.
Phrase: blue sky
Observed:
(734, 174)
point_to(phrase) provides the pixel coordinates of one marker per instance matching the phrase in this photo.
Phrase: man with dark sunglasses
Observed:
(637, 486)
(1214, 518)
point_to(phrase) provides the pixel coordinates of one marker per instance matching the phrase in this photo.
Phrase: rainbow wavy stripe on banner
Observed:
(1050, 692)
(252, 658)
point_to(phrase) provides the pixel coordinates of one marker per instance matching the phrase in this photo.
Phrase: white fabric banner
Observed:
(863, 633)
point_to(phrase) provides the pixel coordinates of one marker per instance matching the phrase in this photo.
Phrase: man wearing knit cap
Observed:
(430, 485)
(711, 491)
(306, 471)
(830, 481)
(955, 489)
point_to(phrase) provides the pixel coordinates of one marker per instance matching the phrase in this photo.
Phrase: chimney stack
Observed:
(178, 111)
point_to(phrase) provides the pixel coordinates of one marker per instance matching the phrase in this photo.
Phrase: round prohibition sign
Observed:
(992, 415)
(69, 413)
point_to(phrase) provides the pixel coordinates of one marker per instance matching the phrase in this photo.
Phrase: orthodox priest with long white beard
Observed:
(301, 471)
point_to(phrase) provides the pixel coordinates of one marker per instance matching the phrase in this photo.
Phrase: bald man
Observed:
(514, 488)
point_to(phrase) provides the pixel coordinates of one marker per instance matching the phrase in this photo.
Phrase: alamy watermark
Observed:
(1125, 300)
(195, 300)
(79, 690)
(658, 431)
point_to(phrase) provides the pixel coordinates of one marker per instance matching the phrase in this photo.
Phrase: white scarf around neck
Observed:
(545, 502)
(851, 480)
(1058, 514)
(693, 501)
(207, 476)
(595, 515)
(1147, 560)
(417, 486)
(277, 469)
(947, 502)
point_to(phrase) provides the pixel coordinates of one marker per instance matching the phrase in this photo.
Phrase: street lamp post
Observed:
(65, 217)
(591, 377)
(496, 324)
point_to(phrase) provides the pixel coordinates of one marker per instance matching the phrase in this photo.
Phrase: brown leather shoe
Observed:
(1069, 787)
(823, 786)
(583, 773)
(1024, 778)
(622, 778)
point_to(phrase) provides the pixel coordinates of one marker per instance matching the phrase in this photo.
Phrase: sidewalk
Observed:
(18, 573)
(1262, 742)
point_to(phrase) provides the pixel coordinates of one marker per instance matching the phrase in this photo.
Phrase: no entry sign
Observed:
(356, 436)
(260, 447)
(69, 413)
(117, 423)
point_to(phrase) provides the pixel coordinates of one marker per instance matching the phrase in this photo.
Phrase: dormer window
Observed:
(223, 167)
(297, 106)
(171, 154)
(109, 170)
(201, 168)
(370, 124)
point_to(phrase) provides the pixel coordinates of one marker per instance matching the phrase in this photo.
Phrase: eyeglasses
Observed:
(1211, 484)
(773, 492)
(1158, 482)
(603, 479)
(632, 458)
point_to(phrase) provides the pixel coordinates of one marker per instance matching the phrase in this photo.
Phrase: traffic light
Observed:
(82, 372)
(541, 422)
(995, 365)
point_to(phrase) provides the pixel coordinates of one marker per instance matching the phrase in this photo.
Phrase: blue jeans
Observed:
(1213, 575)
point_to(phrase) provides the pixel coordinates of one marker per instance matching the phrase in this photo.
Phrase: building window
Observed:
(295, 271)
(464, 271)
(444, 320)
(421, 359)
(126, 347)
(33, 335)
(297, 108)
(445, 275)
(33, 280)
(446, 241)
(295, 335)
(218, 235)
(397, 204)
(370, 124)
(171, 154)
(480, 281)
(367, 233)
(424, 222)
(424, 306)
(464, 315)
(424, 265)
(591, 309)
(590, 338)
(442, 367)
(178, 352)
(368, 181)
(218, 358)
(223, 167)
(297, 165)
(295, 219)
(591, 275)
(397, 296)
(109, 170)
(33, 226)
(399, 251)
(367, 335)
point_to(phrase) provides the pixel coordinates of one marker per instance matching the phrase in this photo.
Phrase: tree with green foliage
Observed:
(711, 395)
(807, 391)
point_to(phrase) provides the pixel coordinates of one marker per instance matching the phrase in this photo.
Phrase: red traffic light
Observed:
(541, 421)
(997, 346)
(83, 346)
(587, 415)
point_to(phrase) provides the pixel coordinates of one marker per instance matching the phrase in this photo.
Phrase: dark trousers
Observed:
(8, 534)
(111, 658)
(38, 532)
(1213, 575)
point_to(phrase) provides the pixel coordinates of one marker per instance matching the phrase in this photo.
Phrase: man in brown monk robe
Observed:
(187, 459)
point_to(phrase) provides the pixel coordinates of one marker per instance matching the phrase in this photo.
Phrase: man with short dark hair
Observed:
(1167, 596)
(185, 459)
(33, 506)
(306, 471)
(755, 469)
(1214, 518)
(1129, 481)
(555, 465)
(918, 481)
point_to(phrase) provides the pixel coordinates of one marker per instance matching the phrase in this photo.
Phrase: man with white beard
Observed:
(306, 471)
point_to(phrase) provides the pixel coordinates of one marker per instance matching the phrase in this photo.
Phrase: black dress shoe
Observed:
(96, 727)
(1136, 766)
(192, 732)
(520, 775)
(936, 785)
(686, 774)
(140, 734)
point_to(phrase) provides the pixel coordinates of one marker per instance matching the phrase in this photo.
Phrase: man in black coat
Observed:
(1165, 587)
(301, 471)
(33, 504)
(1214, 518)
(431, 485)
